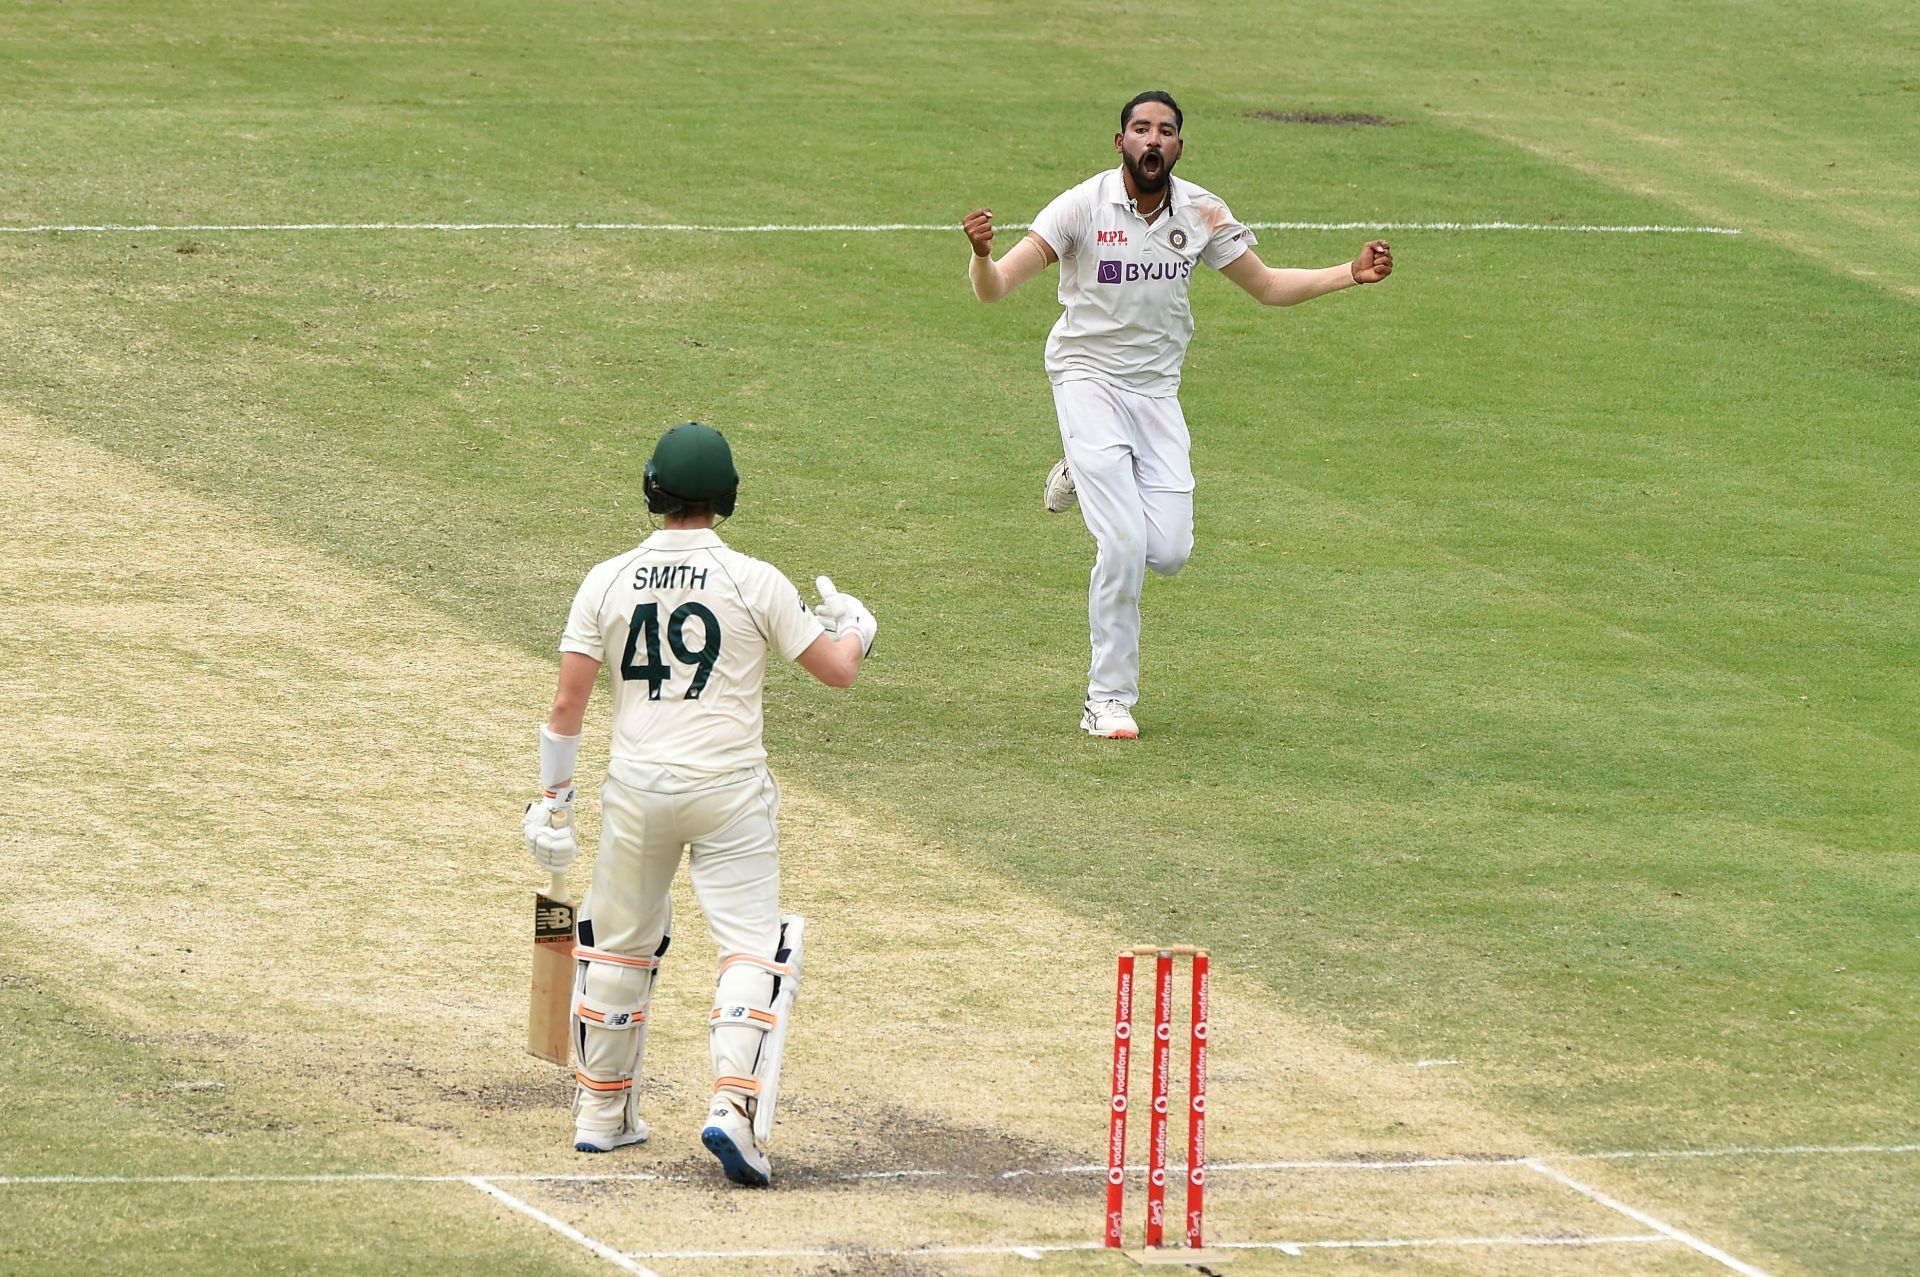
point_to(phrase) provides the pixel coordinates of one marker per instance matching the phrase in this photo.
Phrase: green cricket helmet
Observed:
(691, 465)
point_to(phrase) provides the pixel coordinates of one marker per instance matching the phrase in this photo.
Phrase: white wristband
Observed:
(557, 757)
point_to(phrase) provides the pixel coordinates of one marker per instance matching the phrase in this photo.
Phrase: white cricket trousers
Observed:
(726, 826)
(1128, 455)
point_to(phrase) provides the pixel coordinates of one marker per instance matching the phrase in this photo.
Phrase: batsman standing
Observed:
(686, 626)
(1127, 241)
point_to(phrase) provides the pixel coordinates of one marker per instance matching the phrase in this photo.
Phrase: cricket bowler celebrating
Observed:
(1127, 241)
(686, 626)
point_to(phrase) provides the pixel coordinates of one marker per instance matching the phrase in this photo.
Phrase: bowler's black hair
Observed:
(1153, 95)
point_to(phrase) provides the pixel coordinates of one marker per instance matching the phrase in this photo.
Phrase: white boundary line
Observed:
(566, 1230)
(1214, 1168)
(835, 228)
(1639, 1216)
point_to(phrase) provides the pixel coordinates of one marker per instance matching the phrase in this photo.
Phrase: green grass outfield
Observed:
(1541, 692)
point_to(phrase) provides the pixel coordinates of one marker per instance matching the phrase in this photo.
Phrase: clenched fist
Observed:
(979, 229)
(1374, 264)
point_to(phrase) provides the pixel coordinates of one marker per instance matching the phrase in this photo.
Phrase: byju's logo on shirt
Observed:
(1112, 272)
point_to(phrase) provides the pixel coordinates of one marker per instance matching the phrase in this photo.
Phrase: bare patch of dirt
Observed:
(1336, 119)
(522, 1094)
(856, 1264)
(974, 1159)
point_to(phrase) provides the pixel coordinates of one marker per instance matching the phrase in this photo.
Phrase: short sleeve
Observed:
(583, 634)
(1227, 238)
(791, 624)
(1063, 223)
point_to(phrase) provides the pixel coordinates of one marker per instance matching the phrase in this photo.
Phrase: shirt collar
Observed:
(1114, 189)
(683, 539)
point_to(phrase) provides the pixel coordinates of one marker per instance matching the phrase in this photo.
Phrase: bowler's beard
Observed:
(1143, 184)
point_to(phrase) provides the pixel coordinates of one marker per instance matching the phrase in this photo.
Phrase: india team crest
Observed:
(1177, 238)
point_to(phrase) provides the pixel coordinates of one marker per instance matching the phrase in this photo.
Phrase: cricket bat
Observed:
(548, 1005)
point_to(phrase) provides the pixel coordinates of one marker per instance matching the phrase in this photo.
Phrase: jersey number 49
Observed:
(657, 673)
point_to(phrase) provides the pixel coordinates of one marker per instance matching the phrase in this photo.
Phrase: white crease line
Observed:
(926, 1174)
(1390, 1243)
(1686, 1239)
(356, 1177)
(1421, 1163)
(1178, 1169)
(1023, 1249)
(565, 1229)
(1034, 1250)
(1322, 1164)
(1213, 1168)
(836, 228)
(1784, 1150)
(1335, 1164)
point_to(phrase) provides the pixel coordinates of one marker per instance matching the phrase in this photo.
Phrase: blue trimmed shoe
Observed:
(729, 1137)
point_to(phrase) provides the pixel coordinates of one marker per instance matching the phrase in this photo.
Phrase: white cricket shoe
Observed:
(729, 1137)
(1060, 493)
(586, 1141)
(1109, 719)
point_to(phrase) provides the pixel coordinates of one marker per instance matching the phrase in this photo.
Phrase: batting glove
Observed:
(549, 829)
(842, 613)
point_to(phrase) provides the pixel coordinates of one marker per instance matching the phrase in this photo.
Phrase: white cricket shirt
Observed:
(683, 625)
(1124, 283)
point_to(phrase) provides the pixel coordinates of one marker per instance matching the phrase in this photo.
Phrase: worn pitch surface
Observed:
(293, 872)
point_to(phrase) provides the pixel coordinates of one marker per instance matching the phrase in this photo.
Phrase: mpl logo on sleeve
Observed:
(1109, 237)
